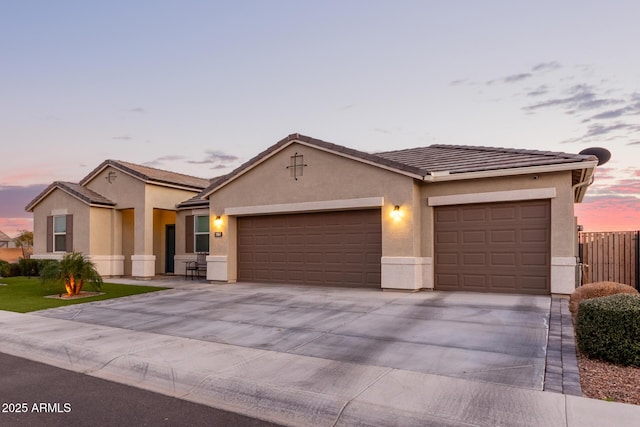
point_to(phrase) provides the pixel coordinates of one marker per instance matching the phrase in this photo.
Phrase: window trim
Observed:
(58, 233)
(197, 233)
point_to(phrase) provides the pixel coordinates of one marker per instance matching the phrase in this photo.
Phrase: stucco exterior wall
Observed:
(60, 203)
(326, 177)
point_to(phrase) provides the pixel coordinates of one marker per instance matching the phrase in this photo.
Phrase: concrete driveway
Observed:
(493, 338)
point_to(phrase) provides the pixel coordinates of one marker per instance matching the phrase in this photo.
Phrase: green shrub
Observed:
(14, 270)
(596, 290)
(608, 328)
(4, 268)
(29, 267)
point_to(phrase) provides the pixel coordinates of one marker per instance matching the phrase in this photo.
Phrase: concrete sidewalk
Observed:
(293, 389)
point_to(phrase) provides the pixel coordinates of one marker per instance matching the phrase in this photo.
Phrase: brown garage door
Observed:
(493, 247)
(327, 248)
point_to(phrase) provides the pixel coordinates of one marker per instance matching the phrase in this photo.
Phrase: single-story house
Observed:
(311, 212)
(121, 215)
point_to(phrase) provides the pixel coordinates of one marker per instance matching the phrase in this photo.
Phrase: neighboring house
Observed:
(8, 250)
(6, 241)
(307, 211)
(121, 215)
(439, 217)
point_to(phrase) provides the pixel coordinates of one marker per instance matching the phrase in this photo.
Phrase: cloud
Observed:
(626, 186)
(15, 198)
(458, 82)
(13, 226)
(217, 159)
(596, 131)
(540, 90)
(517, 77)
(161, 160)
(581, 97)
(380, 130)
(609, 213)
(631, 109)
(137, 110)
(546, 66)
(123, 138)
(634, 143)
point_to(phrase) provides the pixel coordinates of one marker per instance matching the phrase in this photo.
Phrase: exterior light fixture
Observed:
(218, 221)
(396, 213)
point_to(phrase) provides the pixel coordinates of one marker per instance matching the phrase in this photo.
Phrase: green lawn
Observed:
(23, 294)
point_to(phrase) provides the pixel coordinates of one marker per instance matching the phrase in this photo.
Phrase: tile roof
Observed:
(200, 200)
(462, 158)
(82, 193)
(422, 161)
(151, 175)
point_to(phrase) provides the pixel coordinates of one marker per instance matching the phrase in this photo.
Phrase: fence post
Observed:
(638, 260)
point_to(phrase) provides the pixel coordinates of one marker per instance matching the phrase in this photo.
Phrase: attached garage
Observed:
(493, 247)
(445, 217)
(340, 248)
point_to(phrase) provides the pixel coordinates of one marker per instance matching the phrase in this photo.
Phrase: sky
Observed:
(199, 87)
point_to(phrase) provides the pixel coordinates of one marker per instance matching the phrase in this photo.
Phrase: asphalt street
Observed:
(35, 394)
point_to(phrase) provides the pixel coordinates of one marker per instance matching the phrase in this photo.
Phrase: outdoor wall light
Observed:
(218, 221)
(396, 213)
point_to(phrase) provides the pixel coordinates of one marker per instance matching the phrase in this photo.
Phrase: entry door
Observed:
(170, 248)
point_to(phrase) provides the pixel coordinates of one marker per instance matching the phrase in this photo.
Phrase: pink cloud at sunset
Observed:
(609, 213)
(13, 226)
(612, 202)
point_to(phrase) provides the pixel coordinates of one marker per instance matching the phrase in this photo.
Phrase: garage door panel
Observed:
(474, 281)
(474, 236)
(443, 237)
(534, 235)
(470, 258)
(503, 259)
(473, 215)
(500, 214)
(513, 256)
(329, 248)
(503, 236)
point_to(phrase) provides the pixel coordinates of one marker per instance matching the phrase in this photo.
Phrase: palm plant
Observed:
(72, 271)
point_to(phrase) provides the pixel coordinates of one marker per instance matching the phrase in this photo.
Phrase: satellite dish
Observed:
(602, 154)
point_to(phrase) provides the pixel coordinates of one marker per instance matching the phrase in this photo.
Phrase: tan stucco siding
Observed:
(326, 177)
(562, 215)
(119, 187)
(102, 238)
(59, 202)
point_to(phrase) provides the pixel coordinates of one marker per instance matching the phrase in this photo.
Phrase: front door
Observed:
(170, 249)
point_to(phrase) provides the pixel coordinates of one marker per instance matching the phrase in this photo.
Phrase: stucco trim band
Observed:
(493, 196)
(325, 205)
(406, 273)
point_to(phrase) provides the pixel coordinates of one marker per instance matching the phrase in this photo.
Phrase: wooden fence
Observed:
(610, 256)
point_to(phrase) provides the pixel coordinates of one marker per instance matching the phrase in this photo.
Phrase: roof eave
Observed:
(442, 176)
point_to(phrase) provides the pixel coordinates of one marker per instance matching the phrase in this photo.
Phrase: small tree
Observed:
(24, 240)
(72, 271)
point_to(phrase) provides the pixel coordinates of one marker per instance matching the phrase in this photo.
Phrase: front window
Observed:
(60, 233)
(201, 225)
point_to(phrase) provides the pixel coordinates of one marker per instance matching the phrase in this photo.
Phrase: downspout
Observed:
(582, 184)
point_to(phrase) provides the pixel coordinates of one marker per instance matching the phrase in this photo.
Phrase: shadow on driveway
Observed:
(494, 338)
